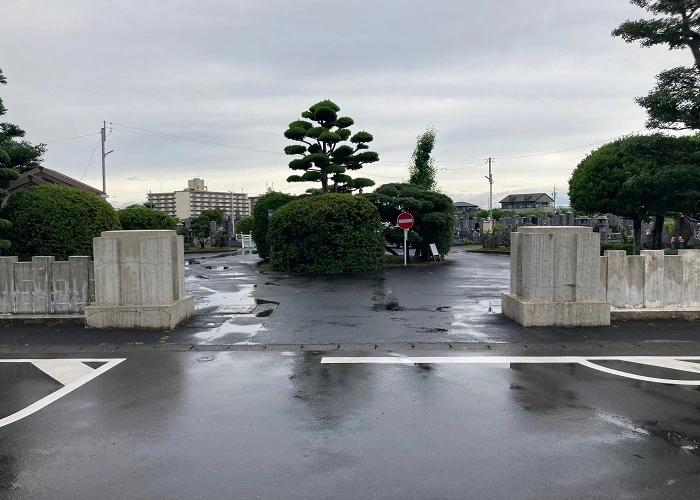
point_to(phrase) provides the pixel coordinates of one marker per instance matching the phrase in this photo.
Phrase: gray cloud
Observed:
(496, 79)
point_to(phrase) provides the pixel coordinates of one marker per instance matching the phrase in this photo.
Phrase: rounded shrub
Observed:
(140, 217)
(270, 201)
(330, 233)
(244, 225)
(57, 220)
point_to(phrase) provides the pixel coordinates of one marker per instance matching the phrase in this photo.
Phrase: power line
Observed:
(559, 151)
(70, 138)
(483, 162)
(153, 133)
(90, 160)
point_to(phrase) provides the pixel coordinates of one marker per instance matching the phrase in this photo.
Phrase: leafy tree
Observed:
(332, 233)
(675, 101)
(433, 214)
(57, 220)
(639, 177)
(213, 215)
(324, 157)
(201, 226)
(270, 201)
(140, 217)
(14, 153)
(422, 167)
(244, 225)
(483, 214)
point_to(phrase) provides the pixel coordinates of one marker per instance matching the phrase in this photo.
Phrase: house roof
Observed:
(465, 204)
(42, 175)
(532, 197)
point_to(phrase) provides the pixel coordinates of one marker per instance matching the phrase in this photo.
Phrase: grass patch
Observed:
(479, 248)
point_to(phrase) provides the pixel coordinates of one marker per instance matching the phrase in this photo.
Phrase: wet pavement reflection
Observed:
(284, 425)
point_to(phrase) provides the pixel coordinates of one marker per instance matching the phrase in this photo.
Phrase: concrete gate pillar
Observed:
(139, 281)
(555, 278)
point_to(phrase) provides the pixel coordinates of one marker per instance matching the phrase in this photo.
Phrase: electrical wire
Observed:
(561, 150)
(90, 160)
(153, 133)
(483, 162)
(70, 138)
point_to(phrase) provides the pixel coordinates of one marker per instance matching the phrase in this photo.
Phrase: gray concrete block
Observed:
(603, 284)
(567, 314)
(41, 274)
(586, 262)
(673, 281)
(106, 269)
(91, 281)
(60, 288)
(635, 281)
(156, 266)
(537, 266)
(691, 277)
(24, 288)
(79, 282)
(653, 278)
(617, 277)
(564, 267)
(7, 285)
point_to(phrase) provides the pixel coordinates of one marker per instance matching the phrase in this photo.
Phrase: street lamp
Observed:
(233, 218)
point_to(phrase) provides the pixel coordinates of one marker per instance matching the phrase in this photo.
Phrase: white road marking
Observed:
(64, 371)
(61, 370)
(679, 363)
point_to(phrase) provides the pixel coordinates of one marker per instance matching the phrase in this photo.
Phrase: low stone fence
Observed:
(646, 285)
(46, 286)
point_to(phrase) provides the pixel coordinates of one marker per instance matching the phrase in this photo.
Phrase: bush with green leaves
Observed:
(57, 220)
(140, 217)
(270, 201)
(432, 212)
(331, 233)
(244, 225)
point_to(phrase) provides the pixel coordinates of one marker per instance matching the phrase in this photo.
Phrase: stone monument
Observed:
(555, 278)
(139, 281)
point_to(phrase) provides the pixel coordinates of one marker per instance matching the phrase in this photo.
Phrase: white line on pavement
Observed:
(669, 362)
(70, 387)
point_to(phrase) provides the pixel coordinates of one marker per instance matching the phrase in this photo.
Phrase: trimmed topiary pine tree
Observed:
(324, 155)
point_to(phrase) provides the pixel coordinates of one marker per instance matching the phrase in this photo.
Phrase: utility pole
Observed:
(490, 178)
(104, 139)
(554, 197)
(103, 134)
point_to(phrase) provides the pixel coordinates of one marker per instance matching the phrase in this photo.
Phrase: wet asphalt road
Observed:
(176, 425)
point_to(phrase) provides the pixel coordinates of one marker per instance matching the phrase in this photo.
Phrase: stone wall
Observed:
(651, 281)
(46, 286)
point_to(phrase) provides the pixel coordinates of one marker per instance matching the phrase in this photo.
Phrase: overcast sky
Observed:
(499, 79)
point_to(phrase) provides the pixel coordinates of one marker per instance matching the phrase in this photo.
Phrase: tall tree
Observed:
(639, 177)
(17, 154)
(422, 167)
(324, 157)
(674, 103)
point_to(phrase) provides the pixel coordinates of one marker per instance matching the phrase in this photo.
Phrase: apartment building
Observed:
(196, 198)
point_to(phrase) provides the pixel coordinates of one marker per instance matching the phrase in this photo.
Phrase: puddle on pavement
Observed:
(241, 298)
(237, 329)
(217, 268)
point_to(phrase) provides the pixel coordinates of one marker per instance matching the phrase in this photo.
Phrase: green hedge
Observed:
(244, 225)
(57, 220)
(140, 217)
(331, 233)
(270, 201)
(627, 247)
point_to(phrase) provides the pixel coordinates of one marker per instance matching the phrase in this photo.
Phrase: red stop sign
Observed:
(405, 221)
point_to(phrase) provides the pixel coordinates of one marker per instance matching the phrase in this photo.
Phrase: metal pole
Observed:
(104, 138)
(405, 247)
(490, 193)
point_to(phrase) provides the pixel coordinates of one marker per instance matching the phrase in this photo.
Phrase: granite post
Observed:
(555, 278)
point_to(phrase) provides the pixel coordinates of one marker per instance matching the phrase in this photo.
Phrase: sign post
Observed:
(405, 222)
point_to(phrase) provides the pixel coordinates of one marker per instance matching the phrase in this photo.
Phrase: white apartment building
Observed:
(196, 198)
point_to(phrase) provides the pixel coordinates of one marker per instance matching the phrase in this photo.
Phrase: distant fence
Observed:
(651, 280)
(46, 286)
(246, 240)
